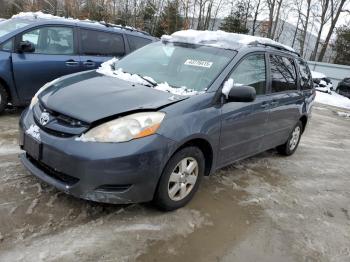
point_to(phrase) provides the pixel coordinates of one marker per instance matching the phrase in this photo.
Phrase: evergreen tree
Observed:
(235, 22)
(170, 20)
(342, 46)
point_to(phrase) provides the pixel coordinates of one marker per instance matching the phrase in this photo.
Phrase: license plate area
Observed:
(32, 146)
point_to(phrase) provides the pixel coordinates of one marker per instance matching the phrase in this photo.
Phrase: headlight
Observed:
(35, 97)
(125, 128)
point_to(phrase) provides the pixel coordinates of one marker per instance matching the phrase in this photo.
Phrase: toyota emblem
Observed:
(44, 118)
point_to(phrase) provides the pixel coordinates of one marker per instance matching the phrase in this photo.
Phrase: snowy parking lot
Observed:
(266, 208)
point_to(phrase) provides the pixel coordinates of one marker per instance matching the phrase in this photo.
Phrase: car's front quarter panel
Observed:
(197, 117)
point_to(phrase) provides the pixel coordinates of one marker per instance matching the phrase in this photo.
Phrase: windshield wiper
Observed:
(148, 80)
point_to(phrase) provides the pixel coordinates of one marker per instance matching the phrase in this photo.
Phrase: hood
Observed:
(91, 96)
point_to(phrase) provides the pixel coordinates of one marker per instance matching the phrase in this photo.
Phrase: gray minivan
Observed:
(151, 125)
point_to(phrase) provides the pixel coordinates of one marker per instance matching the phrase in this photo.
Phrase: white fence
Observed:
(335, 72)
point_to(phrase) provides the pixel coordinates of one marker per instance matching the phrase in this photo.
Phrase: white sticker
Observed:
(199, 63)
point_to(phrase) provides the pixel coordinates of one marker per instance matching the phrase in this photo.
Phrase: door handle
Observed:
(89, 63)
(71, 63)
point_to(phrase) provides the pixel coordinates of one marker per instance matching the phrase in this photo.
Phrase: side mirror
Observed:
(242, 94)
(26, 47)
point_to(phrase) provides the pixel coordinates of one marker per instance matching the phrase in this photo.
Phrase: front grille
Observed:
(52, 131)
(59, 125)
(69, 180)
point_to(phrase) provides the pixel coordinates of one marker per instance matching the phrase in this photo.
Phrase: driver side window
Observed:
(251, 72)
(51, 40)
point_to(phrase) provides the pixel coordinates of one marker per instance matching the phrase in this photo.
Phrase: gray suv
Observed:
(151, 125)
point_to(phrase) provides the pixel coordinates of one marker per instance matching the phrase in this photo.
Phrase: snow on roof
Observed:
(219, 39)
(317, 75)
(39, 14)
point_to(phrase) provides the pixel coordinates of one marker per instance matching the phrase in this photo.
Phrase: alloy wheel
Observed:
(295, 138)
(183, 178)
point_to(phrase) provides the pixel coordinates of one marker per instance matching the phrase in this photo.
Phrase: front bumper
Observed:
(116, 173)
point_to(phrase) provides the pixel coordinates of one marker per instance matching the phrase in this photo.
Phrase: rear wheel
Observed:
(3, 98)
(180, 179)
(292, 143)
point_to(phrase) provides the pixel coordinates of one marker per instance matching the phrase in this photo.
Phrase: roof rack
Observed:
(279, 47)
(129, 28)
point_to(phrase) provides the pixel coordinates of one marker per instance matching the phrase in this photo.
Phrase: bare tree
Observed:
(257, 10)
(336, 9)
(216, 11)
(305, 23)
(324, 18)
(276, 19)
(271, 5)
(298, 9)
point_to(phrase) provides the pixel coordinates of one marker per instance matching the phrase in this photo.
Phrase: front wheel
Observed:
(180, 179)
(292, 143)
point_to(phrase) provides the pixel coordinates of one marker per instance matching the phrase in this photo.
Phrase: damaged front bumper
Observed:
(116, 173)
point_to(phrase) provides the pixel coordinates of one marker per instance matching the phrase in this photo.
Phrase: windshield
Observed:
(11, 25)
(179, 65)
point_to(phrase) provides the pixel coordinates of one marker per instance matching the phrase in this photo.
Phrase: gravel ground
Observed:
(266, 208)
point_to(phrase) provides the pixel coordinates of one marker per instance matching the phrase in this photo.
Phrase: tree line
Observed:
(256, 17)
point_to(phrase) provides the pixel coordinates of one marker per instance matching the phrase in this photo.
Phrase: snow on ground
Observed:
(317, 75)
(306, 195)
(219, 39)
(107, 68)
(333, 99)
(125, 239)
(343, 114)
(8, 149)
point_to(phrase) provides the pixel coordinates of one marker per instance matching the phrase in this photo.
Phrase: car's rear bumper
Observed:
(103, 172)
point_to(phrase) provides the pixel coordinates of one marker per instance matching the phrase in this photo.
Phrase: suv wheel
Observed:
(3, 98)
(292, 143)
(180, 179)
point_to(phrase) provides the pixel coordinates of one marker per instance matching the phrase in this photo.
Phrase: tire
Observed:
(292, 143)
(3, 98)
(171, 195)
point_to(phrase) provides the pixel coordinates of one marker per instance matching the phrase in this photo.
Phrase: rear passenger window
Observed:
(283, 74)
(305, 75)
(136, 42)
(98, 43)
(252, 72)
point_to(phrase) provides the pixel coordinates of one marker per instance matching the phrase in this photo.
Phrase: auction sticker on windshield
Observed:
(200, 63)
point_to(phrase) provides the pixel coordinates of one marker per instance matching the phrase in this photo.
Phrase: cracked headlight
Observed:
(125, 128)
